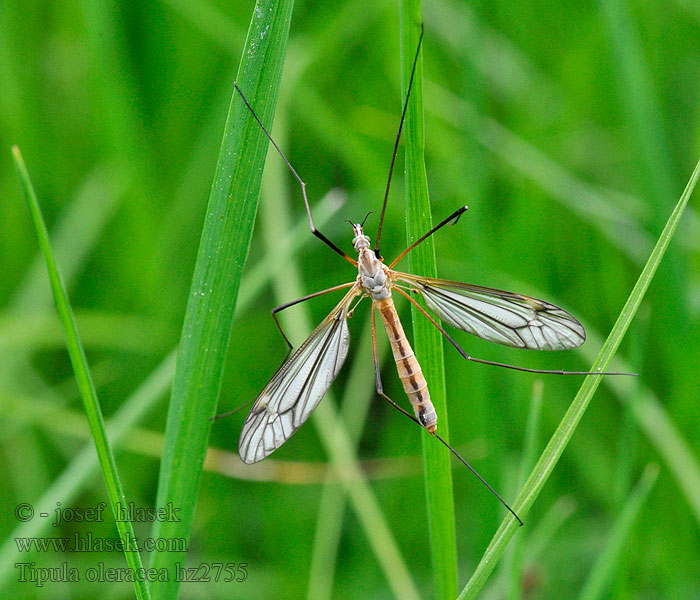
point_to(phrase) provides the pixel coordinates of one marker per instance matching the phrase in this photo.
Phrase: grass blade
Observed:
(654, 420)
(83, 466)
(638, 102)
(359, 393)
(562, 435)
(602, 572)
(93, 412)
(426, 338)
(123, 423)
(336, 438)
(222, 253)
(514, 570)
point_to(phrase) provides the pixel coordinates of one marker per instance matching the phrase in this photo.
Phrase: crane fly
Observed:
(300, 383)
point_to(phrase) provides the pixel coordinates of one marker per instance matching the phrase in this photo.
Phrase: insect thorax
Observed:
(372, 275)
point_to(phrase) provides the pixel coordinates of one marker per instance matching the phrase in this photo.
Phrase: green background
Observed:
(569, 129)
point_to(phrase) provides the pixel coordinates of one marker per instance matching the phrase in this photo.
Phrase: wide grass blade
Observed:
(222, 253)
(550, 456)
(88, 394)
(426, 338)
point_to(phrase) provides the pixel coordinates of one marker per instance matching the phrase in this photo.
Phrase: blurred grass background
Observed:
(569, 129)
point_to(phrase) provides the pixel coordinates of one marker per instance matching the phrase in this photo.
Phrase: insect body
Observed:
(376, 279)
(300, 383)
(495, 315)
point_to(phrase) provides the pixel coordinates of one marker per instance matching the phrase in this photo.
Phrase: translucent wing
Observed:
(297, 387)
(499, 316)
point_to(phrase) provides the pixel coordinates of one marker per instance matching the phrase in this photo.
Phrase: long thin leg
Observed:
(280, 308)
(231, 412)
(466, 356)
(452, 219)
(315, 231)
(284, 335)
(396, 145)
(403, 411)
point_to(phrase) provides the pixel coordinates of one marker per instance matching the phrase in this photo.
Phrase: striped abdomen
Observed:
(410, 373)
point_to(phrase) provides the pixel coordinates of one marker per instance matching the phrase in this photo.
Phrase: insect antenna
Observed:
(396, 145)
(315, 231)
(457, 454)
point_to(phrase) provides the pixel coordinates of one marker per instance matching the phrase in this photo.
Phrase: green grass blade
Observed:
(562, 435)
(121, 426)
(532, 430)
(358, 396)
(654, 420)
(594, 205)
(84, 465)
(426, 338)
(75, 234)
(638, 103)
(598, 581)
(83, 378)
(335, 437)
(222, 253)
(544, 533)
